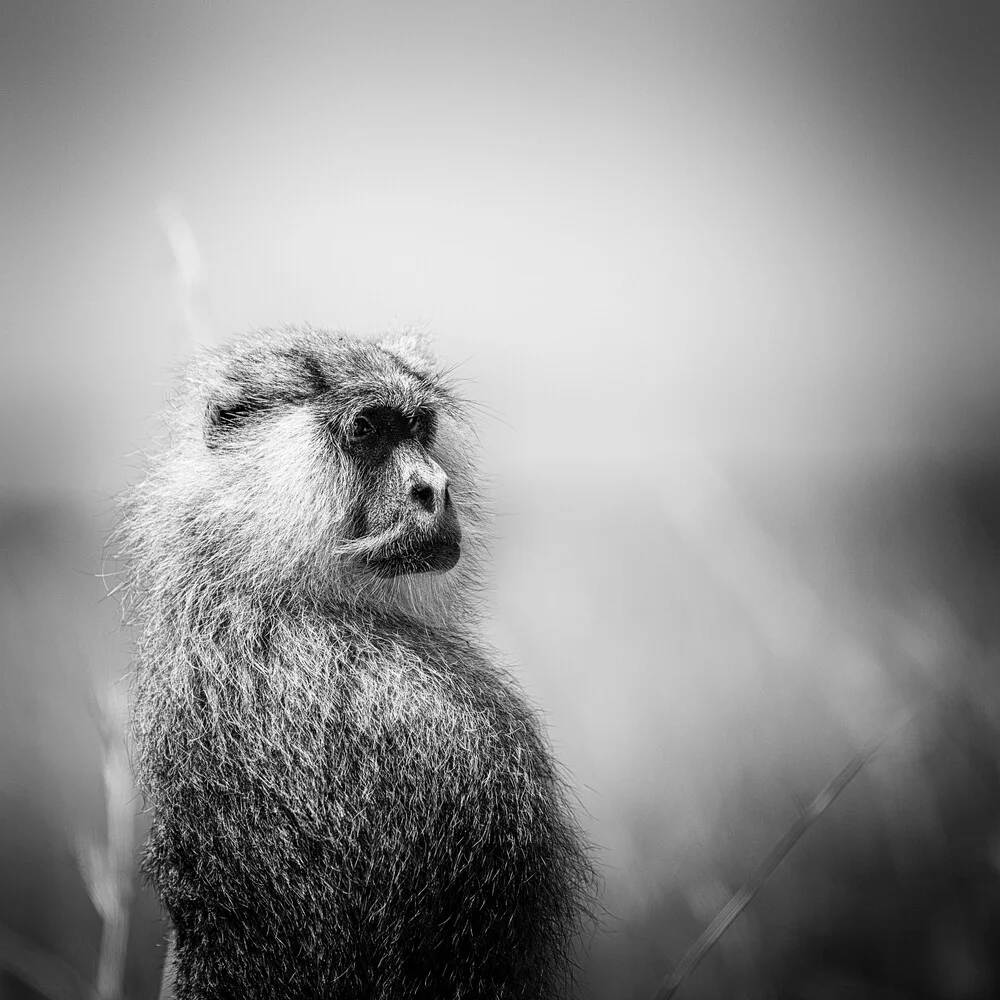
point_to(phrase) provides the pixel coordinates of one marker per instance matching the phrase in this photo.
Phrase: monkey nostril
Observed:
(422, 494)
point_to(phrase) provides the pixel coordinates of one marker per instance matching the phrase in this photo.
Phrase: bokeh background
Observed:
(727, 274)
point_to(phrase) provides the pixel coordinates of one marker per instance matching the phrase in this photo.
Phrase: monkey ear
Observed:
(413, 345)
(225, 412)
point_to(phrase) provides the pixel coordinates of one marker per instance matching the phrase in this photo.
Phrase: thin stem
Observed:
(765, 869)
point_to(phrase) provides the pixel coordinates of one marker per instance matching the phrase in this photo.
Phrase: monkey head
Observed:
(311, 462)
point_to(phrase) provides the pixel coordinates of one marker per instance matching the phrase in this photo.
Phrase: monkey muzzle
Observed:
(409, 521)
(419, 547)
(435, 554)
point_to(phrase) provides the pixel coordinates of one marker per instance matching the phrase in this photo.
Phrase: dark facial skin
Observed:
(401, 486)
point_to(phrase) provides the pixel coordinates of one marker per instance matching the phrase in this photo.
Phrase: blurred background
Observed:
(728, 276)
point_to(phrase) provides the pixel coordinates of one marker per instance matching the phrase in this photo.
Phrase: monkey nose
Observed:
(430, 494)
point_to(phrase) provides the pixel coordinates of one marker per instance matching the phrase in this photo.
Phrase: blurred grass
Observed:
(724, 665)
(68, 807)
(705, 675)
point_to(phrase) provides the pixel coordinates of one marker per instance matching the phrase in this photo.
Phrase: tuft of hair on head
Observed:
(415, 344)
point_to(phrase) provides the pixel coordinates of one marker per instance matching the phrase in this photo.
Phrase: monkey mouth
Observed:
(437, 554)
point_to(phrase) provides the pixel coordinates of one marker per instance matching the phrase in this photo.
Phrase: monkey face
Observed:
(328, 454)
(403, 508)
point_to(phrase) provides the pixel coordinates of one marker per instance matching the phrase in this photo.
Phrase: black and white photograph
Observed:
(499, 500)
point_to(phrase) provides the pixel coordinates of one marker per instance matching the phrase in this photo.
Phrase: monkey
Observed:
(350, 797)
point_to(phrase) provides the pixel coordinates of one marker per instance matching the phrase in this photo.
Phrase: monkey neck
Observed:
(226, 666)
(188, 617)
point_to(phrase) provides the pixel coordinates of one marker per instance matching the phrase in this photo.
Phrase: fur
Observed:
(350, 799)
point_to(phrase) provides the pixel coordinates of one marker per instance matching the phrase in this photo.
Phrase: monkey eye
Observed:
(360, 429)
(421, 424)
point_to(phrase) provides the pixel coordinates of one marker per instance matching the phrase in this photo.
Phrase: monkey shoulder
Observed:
(402, 651)
(402, 676)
